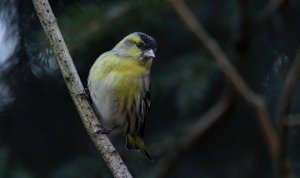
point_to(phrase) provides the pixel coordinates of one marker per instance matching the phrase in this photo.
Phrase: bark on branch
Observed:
(72, 80)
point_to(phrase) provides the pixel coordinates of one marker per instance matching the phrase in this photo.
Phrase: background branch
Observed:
(284, 105)
(271, 8)
(249, 27)
(72, 80)
(271, 138)
(197, 130)
(288, 90)
(292, 120)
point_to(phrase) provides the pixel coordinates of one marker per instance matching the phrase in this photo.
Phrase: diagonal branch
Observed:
(291, 120)
(250, 27)
(271, 7)
(288, 90)
(72, 80)
(284, 105)
(197, 130)
(270, 136)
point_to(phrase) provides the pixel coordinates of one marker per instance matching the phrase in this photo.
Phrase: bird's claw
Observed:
(85, 94)
(101, 130)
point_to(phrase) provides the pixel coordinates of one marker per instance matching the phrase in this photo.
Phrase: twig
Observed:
(96, 25)
(193, 134)
(72, 80)
(270, 9)
(292, 120)
(271, 138)
(288, 90)
(118, 11)
(248, 28)
(284, 105)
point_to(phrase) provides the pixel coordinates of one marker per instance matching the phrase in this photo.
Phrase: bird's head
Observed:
(137, 46)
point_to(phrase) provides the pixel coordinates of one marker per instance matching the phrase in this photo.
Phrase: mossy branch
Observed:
(72, 80)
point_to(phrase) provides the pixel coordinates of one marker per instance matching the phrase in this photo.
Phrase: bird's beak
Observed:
(148, 54)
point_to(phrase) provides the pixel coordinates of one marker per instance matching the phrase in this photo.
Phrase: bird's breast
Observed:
(118, 89)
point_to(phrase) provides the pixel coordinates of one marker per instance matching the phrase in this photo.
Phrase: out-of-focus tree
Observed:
(186, 83)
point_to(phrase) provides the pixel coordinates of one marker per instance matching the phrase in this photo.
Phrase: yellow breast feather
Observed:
(125, 77)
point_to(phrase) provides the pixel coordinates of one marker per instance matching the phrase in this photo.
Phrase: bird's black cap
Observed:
(148, 40)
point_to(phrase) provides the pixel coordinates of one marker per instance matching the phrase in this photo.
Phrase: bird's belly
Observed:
(115, 96)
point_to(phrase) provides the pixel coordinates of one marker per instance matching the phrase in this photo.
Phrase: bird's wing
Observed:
(145, 111)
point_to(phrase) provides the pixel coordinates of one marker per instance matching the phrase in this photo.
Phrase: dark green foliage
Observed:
(41, 134)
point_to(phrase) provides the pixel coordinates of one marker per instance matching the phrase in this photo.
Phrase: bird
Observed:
(119, 87)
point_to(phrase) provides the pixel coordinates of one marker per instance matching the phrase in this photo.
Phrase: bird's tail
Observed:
(135, 142)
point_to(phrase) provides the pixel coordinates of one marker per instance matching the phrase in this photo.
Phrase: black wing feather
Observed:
(146, 108)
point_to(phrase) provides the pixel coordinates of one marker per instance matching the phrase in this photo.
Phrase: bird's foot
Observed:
(101, 130)
(85, 94)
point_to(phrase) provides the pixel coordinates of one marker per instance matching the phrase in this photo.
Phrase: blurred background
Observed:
(41, 134)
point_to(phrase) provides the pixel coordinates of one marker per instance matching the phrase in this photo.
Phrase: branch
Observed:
(271, 8)
(72, 80)
(270, 136)
(288, 90)
(196, 132)
(284, 105)
(292, 120)
(248, 28)
(94, 25)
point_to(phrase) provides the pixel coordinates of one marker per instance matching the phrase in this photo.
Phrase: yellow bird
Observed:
(119, 86)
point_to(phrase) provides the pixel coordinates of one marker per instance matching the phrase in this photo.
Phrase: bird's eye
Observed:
(139, 45)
